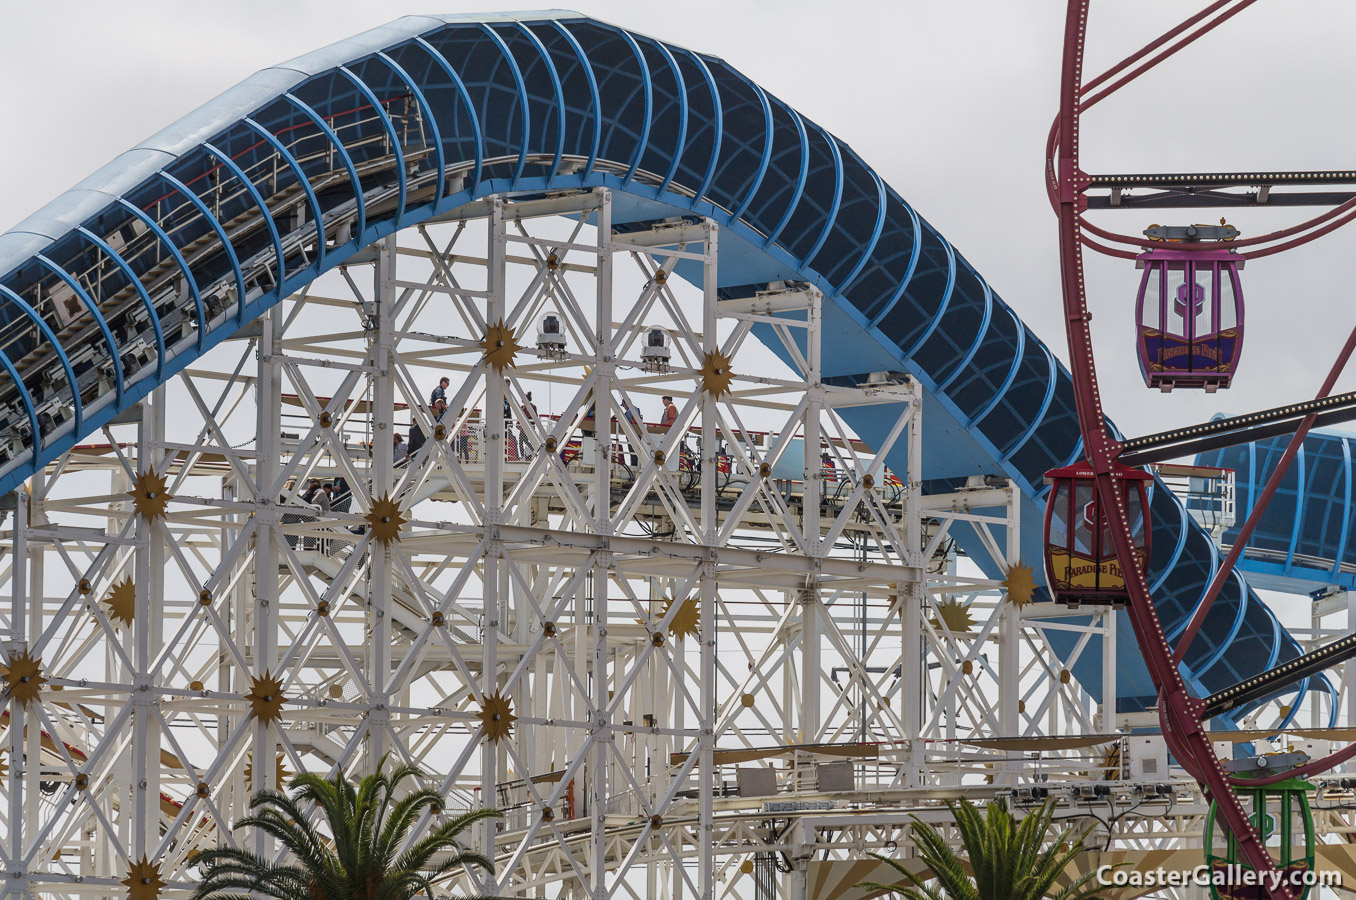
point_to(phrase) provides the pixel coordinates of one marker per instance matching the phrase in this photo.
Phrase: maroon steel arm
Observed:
(1179, 711)
(1259, 507)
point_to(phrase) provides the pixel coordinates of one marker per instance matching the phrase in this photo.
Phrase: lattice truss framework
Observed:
(590, 637)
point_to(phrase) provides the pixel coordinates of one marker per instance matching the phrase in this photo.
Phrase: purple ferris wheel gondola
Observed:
(1189, 316)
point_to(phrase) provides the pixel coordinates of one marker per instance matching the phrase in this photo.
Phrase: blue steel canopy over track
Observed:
(147, 264)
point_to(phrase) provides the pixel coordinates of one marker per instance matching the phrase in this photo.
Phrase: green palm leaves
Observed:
(366, 854)
(1010, 860)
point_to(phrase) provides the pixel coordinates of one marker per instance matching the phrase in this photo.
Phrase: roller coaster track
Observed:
(140, 270)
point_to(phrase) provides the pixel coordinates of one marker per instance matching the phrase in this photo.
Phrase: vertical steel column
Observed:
(37, 554)
(1109, 670)
(604, 368)
(149, 580)
(268, 389)
(1010, 625)
(1349, 670)
(706, 718)
(382, 477)
(18, 643)
(492, 452)
(811, 529)
(911, 597)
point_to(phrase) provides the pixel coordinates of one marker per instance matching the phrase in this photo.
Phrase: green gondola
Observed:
(1281, 813)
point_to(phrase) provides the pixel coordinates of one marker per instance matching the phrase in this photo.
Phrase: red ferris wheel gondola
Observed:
(1190, 310)
(1080, 560)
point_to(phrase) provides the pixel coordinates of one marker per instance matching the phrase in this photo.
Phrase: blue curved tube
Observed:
(141, 290)
(312, 201)
(389, 126)
(358, 197)
(164, 238)
(93, 309)
(32, 315)
(526, 117)
(281, 262)
(597, 107)
(441, 62)
(439, 157)
(220, 231)
(644, 139)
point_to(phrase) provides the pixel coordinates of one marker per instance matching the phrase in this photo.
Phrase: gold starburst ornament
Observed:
(143, 880)
(24, 678)
(280, 772)
(500, 345)
(385, 519)
(149, 496)
(954, 616)
(686, 620)
(266, 697)
(496, 716)
(1020, 584)
(716, 373)
(122, 602)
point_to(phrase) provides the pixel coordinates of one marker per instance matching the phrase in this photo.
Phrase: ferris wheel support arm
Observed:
(1055, 128)
(1182, 725)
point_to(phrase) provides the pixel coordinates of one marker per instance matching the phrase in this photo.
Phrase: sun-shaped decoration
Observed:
(499, 345)
(1020, 584)
(266, 697)
(280, 771)
(716, 373)
(496, 716)
(954, 615)
(122, 602)
(24, 678)
(143, 880)
(385, 519)
(149, 495)
(686, 620)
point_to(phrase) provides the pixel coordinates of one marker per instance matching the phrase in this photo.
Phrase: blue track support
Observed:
(280, 262)
(439, 156)
(800, 180)
(559, 95)
(1012, 372)
(1341, 552)
(974, 348)
(525, 119)
(39, 441)
(220, 232)
(946, 295)
(832, 218)
(851, 277)
(389, 128)
(766, 157)
(717, 122)
(312, 201)
(359, 199)
(644, 140)
(682, 117)
(179, 260)
(587, 67)
(887, 311)
(1299, 508)
(1045, 406)
(93, 309)
(479, 139)
(32, 315)
(141, 292)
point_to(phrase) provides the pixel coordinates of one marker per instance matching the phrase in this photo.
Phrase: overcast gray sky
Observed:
(949, 101)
